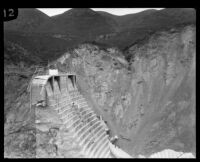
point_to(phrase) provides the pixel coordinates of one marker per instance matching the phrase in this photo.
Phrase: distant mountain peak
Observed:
(25, 12)
(80, 11)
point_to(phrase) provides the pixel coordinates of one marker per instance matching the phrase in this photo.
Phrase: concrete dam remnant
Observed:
(58, 92)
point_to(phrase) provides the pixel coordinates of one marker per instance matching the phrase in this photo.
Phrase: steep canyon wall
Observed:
(149, 100)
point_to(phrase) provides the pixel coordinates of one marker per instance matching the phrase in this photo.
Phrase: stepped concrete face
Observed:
(62, 96)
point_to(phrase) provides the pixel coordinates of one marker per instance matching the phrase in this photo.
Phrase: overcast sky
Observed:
(114, 11)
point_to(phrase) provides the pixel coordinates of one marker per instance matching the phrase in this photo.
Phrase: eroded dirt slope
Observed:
(149, 100)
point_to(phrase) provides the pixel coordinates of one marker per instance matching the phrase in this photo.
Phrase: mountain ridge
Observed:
(44, 22)
(77, 26)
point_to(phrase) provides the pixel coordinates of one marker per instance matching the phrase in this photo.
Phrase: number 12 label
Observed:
(10, 14)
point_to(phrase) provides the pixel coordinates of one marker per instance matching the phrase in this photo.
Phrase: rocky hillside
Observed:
(148, 101)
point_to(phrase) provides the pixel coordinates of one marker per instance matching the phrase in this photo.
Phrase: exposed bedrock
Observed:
(149, 100)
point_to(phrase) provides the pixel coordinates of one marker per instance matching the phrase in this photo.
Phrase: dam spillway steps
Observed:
(60, 94)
